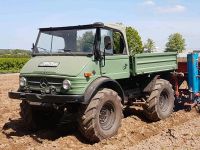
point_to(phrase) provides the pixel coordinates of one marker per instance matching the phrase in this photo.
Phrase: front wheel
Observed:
(102, 117)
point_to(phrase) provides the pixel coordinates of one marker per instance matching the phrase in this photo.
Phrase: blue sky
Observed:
(156, 19)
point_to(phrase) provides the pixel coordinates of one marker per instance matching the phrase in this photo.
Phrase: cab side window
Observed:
(106, 42)
(118, 43)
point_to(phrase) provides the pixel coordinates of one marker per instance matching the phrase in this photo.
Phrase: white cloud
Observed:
(178, 8)
(149, 3)
(173, 9)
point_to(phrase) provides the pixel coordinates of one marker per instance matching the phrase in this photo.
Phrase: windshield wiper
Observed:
(67, 50)
(44, 49)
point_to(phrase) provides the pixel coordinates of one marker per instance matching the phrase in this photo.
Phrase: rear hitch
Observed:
(193, 103)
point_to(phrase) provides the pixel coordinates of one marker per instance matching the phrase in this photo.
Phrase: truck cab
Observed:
(67, 59)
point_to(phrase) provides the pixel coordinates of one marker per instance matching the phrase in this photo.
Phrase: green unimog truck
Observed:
(86, 71)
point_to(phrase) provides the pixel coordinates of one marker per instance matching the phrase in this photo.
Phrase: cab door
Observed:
(116, 64)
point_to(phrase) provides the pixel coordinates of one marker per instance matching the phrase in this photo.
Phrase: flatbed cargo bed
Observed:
(152, 62)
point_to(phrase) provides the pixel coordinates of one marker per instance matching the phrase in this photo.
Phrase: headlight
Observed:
(22, 82)
(66, 84)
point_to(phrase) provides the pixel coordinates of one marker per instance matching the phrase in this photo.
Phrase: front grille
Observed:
(38, 83)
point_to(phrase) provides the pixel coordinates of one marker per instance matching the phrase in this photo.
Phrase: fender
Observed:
(102, 82)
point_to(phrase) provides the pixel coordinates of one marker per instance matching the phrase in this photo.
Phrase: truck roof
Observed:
(94, 25)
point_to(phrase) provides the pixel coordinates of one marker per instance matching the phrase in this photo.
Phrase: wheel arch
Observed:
(102, 82)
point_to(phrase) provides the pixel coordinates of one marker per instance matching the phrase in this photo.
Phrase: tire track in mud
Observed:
(134, 127)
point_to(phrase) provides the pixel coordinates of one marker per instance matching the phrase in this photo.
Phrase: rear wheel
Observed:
(35, 118)
(161, 101)
(102, 117)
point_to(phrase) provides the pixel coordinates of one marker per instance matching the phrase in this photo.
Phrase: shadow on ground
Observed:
(136, 113)
(16, 128)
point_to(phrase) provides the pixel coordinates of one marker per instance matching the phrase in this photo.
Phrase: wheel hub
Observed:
(106, 116)
(163, 101)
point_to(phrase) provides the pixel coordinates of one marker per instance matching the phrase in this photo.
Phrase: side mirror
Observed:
(107, 42)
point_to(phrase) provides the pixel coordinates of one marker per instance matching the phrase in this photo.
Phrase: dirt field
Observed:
(180, 131)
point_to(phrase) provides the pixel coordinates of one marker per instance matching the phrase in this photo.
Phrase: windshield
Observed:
(65, 41)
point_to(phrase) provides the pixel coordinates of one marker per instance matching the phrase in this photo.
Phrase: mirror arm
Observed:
(33, 48)
(104, 58)
(97, 53)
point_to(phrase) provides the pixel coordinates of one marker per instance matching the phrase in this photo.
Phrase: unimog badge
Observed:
(48, 64)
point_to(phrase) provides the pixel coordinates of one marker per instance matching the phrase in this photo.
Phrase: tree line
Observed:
(13, 60)
(15, 53)
(176, 43)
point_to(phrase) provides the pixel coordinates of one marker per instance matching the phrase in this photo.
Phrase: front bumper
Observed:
(47, 98)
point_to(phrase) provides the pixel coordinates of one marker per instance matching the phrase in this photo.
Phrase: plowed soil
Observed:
(180, 131)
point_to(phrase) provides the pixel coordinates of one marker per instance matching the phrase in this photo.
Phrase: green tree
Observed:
(149, 46)
(134, 41)
(176, 43)
(116, 40)
(85, 42)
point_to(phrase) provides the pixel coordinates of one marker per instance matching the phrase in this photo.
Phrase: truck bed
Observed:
(152, 62)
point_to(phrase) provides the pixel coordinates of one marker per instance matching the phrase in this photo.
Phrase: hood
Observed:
(56, 65)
